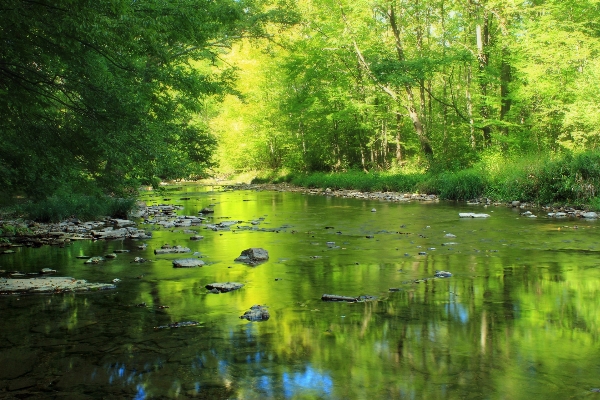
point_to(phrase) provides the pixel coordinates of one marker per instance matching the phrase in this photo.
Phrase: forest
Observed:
(499, 98)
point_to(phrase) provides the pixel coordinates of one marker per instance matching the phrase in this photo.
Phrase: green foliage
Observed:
(462, 185)
(571, 179)
(112, 95)
(61, 206)
(359, 180)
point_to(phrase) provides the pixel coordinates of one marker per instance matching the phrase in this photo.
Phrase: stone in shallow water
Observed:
(442, 274)
(95, 260)
(224, 286)
(50, 285)
(253, 255)
(473, 215)
(178, 325)
(172, 250)
(187, 263)
(256, 313)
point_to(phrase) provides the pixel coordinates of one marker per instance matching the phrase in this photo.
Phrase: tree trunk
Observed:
(473, 140)
(483, 42)
(412, 111)
(398, 138)
(505, 78)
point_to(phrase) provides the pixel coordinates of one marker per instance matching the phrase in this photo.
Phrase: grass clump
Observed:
(462, 185)
(61, 206)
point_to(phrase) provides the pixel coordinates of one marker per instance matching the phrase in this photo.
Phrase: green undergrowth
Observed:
(61, 206)
(568, 179)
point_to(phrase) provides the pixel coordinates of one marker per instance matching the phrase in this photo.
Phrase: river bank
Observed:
(567, 181)
(23, 232)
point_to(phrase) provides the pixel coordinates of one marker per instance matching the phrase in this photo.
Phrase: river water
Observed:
(518, 319)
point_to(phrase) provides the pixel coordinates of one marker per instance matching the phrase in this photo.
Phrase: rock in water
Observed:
(253, 256)
(95, 260)
(442, 274)
(187, 263)
(256, 313)
(473, 215)
(50, 285)
(172, 250)
(224, 286)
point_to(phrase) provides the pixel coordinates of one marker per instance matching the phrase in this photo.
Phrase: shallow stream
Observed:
(518, 319)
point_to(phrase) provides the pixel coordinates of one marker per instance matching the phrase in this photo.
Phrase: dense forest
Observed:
(377, 84)
(105, 96)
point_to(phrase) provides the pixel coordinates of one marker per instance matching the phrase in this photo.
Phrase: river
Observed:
(518, 319)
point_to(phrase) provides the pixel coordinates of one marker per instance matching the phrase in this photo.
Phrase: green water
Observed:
(518, 319)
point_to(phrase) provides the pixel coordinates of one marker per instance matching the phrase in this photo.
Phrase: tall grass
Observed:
(62, 206)
(359, 180)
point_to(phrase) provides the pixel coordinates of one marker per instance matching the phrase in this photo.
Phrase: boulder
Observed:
(589, 215)
(256, 313)
(224, 286)
(253, 256)
(187, 263)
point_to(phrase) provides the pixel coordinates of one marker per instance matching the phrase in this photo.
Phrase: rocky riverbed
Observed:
(19, 232)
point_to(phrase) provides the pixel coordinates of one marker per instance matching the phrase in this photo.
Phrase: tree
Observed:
(109, 95)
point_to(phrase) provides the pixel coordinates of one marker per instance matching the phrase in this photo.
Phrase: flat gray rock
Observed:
(172, 250)
(473, 215)
(188, 263)
(223, 287)
(50, 285)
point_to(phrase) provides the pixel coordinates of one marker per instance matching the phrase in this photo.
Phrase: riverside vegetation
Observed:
(564, 180)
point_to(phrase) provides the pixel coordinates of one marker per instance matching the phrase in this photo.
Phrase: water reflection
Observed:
(517, 319)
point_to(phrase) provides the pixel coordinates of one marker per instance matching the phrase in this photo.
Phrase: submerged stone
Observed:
(178, 325)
